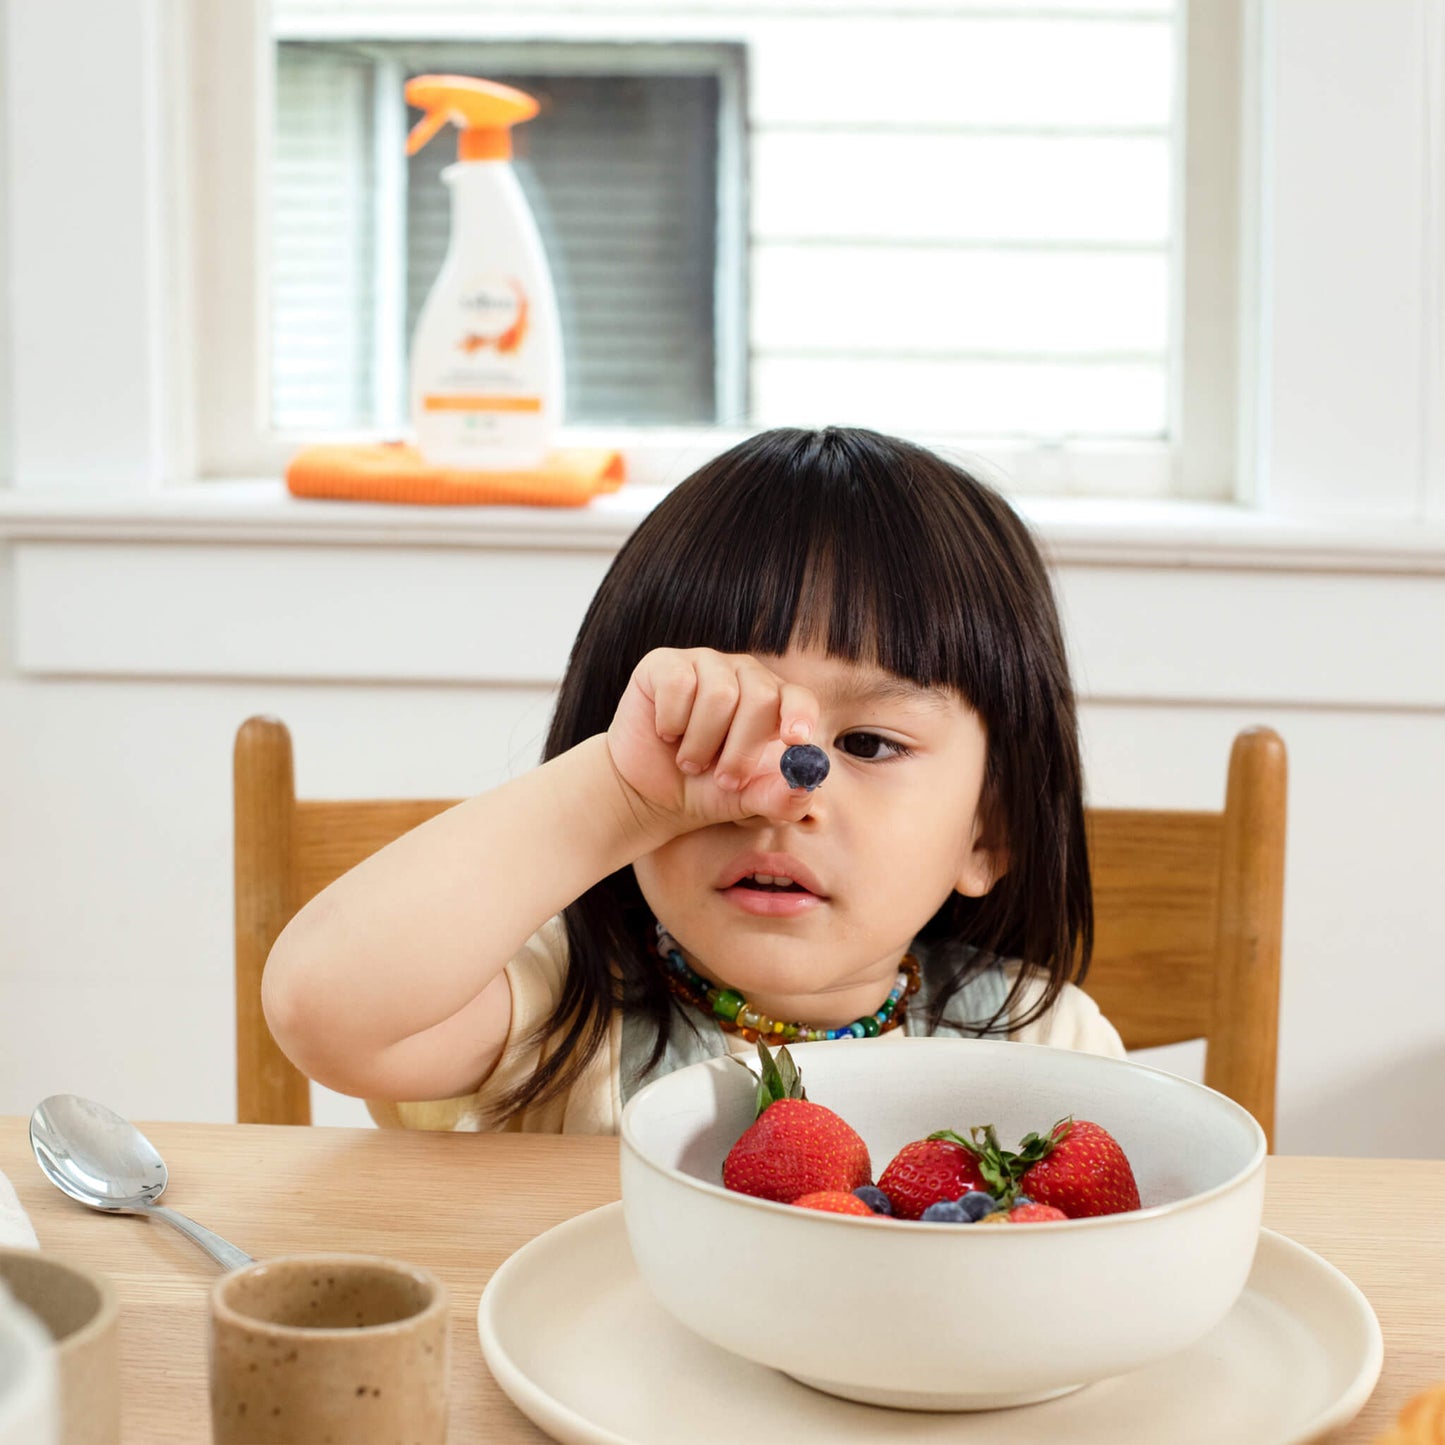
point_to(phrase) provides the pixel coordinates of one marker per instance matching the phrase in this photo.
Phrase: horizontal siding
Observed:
(1101, 189)
(895, 298)
(1000, 400)
(426, 17)
(889, 71)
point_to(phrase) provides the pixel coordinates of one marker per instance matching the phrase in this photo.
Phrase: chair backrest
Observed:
(1188, 916)
(1187, 928)
(287, 850)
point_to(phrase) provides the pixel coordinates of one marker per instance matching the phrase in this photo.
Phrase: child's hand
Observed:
(698, 734)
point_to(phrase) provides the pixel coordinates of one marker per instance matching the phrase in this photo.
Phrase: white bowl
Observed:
(946, 1317)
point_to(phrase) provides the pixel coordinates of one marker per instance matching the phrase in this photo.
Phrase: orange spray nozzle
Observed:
(485, 111)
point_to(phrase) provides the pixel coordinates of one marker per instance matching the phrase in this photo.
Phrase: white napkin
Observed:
(15, 1226)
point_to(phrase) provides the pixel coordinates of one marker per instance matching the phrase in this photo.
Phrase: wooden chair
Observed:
(1187, 924)
(287, 850)
(1187, 932)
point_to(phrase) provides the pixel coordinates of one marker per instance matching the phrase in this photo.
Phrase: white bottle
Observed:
(486, 358)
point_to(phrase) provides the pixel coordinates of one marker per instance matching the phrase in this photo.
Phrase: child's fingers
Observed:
(798, 710)
(769, 796)
(754, 725)
(723, 712)
(672, 684)
(711, 715)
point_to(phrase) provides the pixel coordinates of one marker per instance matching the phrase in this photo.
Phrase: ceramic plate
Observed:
(575, 1339)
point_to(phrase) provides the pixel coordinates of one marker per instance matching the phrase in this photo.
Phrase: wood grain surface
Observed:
(461, 1203)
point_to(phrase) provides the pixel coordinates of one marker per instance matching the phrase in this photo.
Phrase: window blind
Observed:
(323, 238)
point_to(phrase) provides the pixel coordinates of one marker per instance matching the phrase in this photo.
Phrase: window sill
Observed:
(1162, 601)
(1073, 531)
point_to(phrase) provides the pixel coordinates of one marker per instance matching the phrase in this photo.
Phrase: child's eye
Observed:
(872, 747)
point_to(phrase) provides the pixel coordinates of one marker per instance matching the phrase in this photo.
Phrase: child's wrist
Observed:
(637, 824)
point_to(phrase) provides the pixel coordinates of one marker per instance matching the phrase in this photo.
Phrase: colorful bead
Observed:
(728, 1004)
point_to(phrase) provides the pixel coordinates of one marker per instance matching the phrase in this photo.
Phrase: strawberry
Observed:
(1034, 1214)
(1077, 1167)
(793, 1146)
(833, 1201)
(930, 1170)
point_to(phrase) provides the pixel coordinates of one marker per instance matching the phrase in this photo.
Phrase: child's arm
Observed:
(389, 984)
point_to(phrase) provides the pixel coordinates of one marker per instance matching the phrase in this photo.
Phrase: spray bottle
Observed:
(486, 357)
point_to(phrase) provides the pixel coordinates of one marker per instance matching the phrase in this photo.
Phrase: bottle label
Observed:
(495, 315)
(478, 402)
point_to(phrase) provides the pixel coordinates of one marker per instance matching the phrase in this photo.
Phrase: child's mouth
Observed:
(771, 896)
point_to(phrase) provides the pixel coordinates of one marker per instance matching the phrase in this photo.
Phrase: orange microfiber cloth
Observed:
(396, 472)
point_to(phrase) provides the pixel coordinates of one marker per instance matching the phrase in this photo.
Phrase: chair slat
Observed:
(1156, 902)
(334, 836)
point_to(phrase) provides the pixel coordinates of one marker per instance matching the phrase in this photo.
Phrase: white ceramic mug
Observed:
(29, 1381)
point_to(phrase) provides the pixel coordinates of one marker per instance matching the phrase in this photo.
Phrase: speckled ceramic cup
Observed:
(344, 1348)
(81, 1314)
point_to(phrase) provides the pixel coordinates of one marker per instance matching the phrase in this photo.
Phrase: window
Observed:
(621, 170)
(971, 223)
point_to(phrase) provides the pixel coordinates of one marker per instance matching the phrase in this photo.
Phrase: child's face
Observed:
(892, 832)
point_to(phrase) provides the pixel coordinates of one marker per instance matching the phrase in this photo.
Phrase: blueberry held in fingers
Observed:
(804, 766)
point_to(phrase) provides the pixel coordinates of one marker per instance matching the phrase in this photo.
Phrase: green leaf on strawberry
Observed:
(779, 1078)
(1034, 1147)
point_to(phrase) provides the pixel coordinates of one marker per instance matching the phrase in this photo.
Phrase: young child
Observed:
(655, 893)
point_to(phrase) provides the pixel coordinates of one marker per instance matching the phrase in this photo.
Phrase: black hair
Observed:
(875, 550)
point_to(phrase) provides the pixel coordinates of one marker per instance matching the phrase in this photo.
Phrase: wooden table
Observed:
(461, 1203)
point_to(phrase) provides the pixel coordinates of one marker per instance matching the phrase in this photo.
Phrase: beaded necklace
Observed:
(733, 1013)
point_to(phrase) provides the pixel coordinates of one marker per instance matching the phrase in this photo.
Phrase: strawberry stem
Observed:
(1034, 1147)
(779, 1079)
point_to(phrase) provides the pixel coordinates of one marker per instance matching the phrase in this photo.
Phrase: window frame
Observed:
(230, 236)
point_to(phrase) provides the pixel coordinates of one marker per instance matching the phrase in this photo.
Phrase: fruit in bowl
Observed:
(798, 1149)
(957, 1317)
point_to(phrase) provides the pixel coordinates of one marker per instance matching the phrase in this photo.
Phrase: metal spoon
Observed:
(100, 1159)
